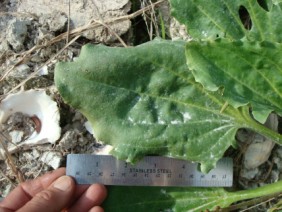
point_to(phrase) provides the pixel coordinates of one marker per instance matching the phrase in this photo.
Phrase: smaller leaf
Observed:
(249, 72)
(155, 199)
(221, 19)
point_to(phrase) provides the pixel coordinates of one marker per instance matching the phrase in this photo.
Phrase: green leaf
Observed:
(250, 72)
(155, 199)
(221, 18)
(144, 100)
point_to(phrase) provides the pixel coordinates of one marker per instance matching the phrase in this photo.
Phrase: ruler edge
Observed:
(229, 183)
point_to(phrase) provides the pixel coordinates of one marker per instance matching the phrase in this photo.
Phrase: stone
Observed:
(21, 71)
(82, 12)
(249, 174)
(69, 140)
(53, 159)
(55, 21)
(257, 153)
(260, 149)
(16, 33)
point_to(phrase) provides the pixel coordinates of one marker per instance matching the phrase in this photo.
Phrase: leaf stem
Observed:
(259, 128)
(267, 190)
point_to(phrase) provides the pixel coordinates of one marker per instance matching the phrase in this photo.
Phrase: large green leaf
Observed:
(220, 18)
(144, 100)
(156, 199)
(251, 72)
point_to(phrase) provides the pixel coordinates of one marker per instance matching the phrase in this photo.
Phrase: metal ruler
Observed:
(150, 171)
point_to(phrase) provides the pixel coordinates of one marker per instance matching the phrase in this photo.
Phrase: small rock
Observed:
(257, 153)
(21, 71)
(7, 190)
(4, 45)
(279, 152)
(16, 136)
(16, 33)
(52, 159)
(56, 21)
(69, 140)
(274, 176)
(249, 174)
(35, 153)
(43, 71)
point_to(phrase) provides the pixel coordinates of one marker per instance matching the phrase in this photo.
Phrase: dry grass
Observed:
(74, 34)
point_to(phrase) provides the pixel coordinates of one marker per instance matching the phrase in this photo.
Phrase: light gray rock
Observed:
(16, 33)
(69, 140)
(249, 174)
(4, 45)
(55, 21)
(82, 12)
(21, 71)
(52, 159)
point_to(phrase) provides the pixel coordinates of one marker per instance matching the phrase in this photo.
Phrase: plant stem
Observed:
(261, 129)
(258, 192)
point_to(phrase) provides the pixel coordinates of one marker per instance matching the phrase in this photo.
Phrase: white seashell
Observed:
(32, 103)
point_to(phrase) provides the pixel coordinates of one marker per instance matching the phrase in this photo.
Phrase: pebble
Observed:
(52, 159)
(249, 174)
(257, 153)
(17, 33)
(56, 21)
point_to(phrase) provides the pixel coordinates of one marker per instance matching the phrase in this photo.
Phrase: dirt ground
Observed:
(35, 35)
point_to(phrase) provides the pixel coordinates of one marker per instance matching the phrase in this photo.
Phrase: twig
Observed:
(10, 160)
(107, 26)
(251, 203)
(47, 62)
(7, 178)
(68, 30)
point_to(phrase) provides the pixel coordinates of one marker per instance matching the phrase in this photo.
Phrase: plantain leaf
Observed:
(144, 100)
(156, 199)
(222, 18)
(251, 72)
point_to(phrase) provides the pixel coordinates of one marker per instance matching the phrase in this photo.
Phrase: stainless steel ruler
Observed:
(150, 171)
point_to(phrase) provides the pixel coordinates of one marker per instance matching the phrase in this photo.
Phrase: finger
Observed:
(55, 198)
(25, 191)
(93, 196)
(96, 209)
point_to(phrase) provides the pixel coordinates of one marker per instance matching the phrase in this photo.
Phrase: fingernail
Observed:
(63, 183)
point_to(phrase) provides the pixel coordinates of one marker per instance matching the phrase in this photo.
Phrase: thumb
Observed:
(55, 198)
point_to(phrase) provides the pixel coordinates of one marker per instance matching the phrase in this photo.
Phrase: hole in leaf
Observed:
(263, 4)
(245, 17)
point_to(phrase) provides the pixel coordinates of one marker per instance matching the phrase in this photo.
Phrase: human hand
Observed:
(54, 192)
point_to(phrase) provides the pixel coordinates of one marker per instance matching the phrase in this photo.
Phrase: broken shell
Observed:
(41, 109)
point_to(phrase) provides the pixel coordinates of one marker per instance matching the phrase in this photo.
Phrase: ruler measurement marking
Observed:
(151, 171)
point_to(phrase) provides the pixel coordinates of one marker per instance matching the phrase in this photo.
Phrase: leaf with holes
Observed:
(248, 70)
(144, 100)
(253, 19)
(251, 72)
